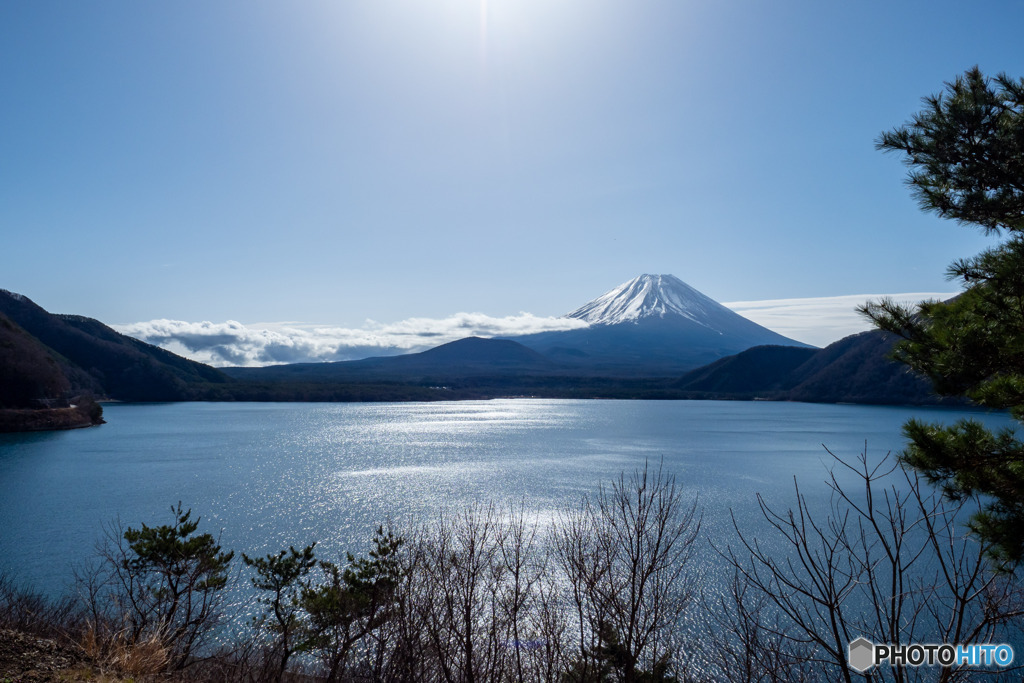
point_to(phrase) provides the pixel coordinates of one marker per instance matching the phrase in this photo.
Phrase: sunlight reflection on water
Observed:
(272, 475)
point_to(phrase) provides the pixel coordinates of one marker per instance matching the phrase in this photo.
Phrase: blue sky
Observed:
(326, 163)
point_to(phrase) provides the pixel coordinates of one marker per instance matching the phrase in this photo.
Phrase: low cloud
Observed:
(818, 321)
(821, 320)
(232, 343)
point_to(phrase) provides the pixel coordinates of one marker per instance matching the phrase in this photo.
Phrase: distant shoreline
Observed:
(50, 419)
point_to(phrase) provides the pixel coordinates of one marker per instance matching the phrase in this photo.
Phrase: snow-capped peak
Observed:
(648, 296)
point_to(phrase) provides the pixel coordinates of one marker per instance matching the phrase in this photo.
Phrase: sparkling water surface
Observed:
(268, 475)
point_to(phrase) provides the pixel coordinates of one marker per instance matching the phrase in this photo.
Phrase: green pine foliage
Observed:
(169, 581)
(329, 616)
(280, 578)
(350, 604)
(966, 152)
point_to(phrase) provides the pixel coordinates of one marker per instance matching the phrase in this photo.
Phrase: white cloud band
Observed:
(818, 320)
(821, 320)
(232, 343)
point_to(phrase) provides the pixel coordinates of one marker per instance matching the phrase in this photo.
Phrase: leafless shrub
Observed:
(890, 562)
(472, 586)
(624, 554)
(471, 604)
(744, 643)
(28, 611)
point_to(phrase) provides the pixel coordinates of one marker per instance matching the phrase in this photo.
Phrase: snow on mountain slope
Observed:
(653, 325)
(650, 296)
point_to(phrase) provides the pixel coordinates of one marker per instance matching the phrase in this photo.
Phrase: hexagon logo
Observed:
(861, 655)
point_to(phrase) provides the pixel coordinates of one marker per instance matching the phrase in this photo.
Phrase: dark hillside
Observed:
(29, 371)
(761, 371)
(188, 370)
(648, 348)
(469, 357)
(858, 369)
(95, 358)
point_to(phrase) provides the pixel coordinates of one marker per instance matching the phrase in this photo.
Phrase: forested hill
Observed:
(855, 369)
(60, 354)
(30, 370)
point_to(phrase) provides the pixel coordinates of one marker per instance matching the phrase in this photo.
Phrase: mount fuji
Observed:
(653, 324)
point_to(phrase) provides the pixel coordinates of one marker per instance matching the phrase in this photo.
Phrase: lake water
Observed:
(267, 476)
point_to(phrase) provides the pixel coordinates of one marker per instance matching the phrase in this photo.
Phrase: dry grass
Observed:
(115, 654)
(88, 674)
